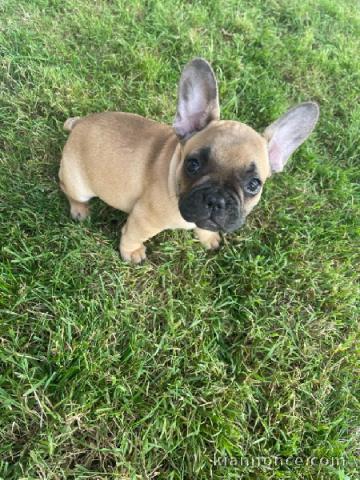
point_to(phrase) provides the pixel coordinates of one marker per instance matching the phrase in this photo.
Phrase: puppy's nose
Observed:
(215, 201)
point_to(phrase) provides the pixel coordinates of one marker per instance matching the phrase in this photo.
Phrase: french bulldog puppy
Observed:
(202, 173)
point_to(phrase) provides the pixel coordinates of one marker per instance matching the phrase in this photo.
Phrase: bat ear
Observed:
(198, 100)
(287, 133)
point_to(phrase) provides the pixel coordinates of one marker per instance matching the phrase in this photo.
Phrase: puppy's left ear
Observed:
(287, 133)
(198, 100)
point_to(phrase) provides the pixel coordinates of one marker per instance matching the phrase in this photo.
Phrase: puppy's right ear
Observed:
(287, 133)
(198, 100)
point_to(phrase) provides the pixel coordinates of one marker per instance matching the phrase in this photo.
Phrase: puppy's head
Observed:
(224, 164)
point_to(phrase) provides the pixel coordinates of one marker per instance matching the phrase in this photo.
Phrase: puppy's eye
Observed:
(193, 165)
(253, 186)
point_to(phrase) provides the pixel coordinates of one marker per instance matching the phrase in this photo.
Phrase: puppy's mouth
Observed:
(212, 208)
(209, 224)
(213, 226)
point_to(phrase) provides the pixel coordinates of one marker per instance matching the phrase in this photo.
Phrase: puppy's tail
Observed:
(70, 123)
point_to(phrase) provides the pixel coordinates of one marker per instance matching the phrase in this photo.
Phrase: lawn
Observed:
(242, 363)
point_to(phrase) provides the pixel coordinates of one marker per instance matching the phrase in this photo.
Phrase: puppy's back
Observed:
(111, 152)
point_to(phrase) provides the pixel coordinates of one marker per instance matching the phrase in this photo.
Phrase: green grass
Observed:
(185, 366)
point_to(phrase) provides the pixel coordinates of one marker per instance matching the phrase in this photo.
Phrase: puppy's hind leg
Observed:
(75, 186)
(79, 210)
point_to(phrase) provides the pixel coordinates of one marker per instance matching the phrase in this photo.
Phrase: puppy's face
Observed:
(224, 168)
(224, 164)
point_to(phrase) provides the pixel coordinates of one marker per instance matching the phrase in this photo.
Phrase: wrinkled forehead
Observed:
(232, 146)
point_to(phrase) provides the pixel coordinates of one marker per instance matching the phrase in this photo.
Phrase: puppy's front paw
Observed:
(134, 256)
(212, 243)
(210, 240)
